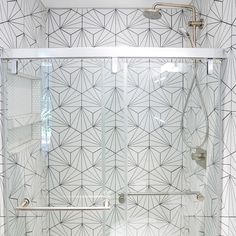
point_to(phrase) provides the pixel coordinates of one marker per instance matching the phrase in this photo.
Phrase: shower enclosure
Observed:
(93, 141)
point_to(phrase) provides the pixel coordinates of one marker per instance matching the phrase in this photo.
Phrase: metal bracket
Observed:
(210, 66)
(121, 198)
(200, 197)
(114, 66)
(200, 156)
(13, 66)
(25, 202)
(1, 51)
(199, 24)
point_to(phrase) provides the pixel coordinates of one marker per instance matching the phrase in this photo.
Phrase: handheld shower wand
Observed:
(186, 34)
(154, 14)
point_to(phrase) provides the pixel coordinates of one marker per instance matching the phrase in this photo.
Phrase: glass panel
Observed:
(25, 176)
(75, 164)
(115, 142)
(159, 161)
(204, 216)
(155, 148)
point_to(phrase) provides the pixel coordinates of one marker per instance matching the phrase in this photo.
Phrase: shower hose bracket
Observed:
(199, 24)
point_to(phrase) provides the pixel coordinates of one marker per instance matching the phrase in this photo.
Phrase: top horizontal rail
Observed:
(113, 52)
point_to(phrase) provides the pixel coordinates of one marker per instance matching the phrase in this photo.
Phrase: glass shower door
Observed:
(156, 186)
(143, 104)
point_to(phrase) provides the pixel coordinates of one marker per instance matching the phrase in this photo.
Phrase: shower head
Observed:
(152, 14)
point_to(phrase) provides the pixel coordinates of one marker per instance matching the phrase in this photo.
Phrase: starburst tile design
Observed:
(82, 93)
(22, 24)
(113, 27)
(157, 159)
(219, 31)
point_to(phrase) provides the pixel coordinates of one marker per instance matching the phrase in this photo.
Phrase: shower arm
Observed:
(194, 23)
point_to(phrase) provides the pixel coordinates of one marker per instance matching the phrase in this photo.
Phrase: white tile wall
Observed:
(22, 25)
(219, 31)
(95, 27)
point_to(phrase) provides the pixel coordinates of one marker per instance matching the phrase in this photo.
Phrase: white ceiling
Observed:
(104, 3)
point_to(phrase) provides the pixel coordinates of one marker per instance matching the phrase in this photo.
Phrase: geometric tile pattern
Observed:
(219, 31)
(157, 158)
(113, 27)
(89, 108)
(85, 92)
(25, 169)
(75, 152)
(22, 24)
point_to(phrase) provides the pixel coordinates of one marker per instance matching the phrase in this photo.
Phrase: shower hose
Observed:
(195, 81)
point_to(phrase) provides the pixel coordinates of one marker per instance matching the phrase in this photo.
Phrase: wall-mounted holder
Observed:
(114, 65)
(25, 202)
(210, 66)
(197, 23)
(200, 156)
(13, 67)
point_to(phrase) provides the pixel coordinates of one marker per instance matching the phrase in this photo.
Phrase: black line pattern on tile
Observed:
(115, 27)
